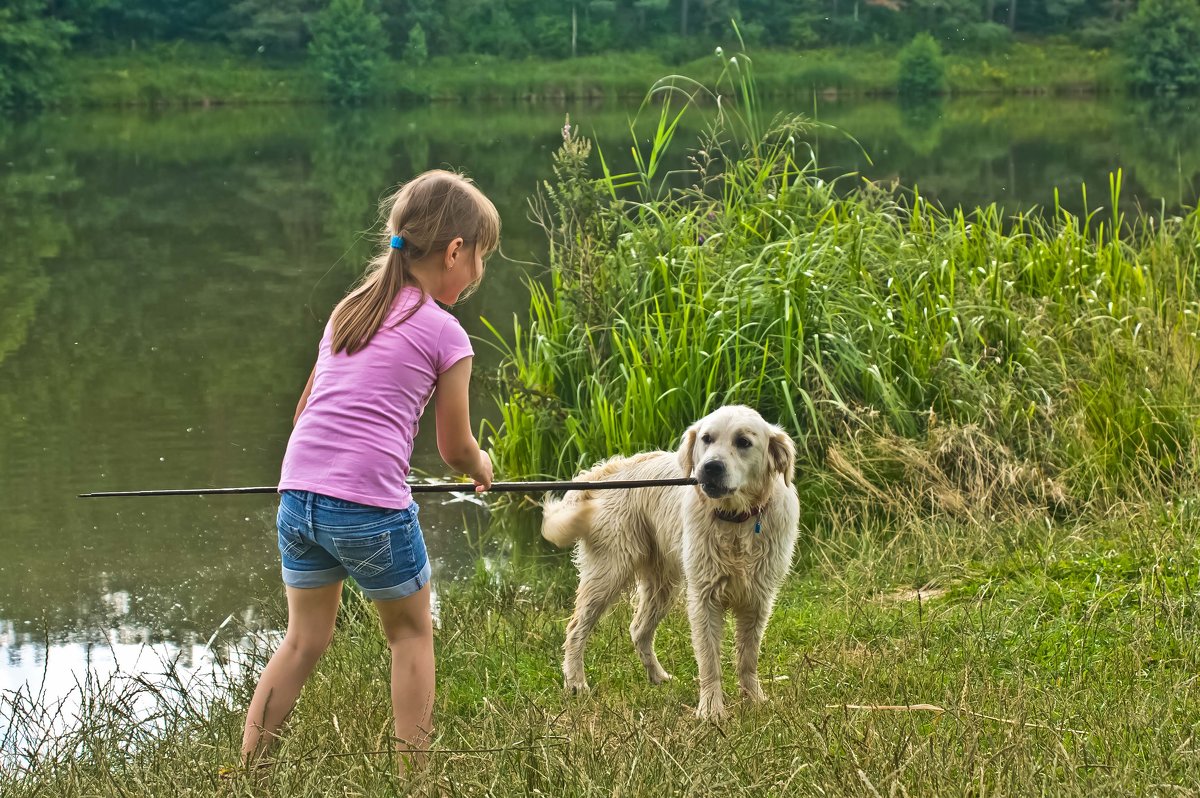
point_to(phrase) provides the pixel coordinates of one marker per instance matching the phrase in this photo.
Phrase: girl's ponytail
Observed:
(422, 216)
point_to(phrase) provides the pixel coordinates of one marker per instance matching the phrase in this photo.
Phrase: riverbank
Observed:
(925, 657)
(995, 590)
(191, 75)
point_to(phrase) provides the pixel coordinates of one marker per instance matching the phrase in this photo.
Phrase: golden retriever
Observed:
(729, 539)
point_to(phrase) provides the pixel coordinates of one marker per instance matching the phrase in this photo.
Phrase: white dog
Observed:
(730, 538)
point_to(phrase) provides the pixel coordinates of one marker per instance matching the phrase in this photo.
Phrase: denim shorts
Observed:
(323, 540)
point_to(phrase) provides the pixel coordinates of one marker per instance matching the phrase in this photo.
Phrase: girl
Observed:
(345, 507)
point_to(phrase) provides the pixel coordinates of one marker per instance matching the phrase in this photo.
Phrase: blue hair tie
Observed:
(397, 242)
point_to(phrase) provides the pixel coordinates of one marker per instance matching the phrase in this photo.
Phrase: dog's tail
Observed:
(566, 520)
(569, 519)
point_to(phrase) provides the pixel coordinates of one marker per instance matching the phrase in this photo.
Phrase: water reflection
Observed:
(43, 687)
(164, 278)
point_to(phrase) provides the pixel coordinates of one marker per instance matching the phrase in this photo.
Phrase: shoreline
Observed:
(196, 76)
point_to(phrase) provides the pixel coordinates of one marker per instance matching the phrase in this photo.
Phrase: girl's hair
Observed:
(429, 211)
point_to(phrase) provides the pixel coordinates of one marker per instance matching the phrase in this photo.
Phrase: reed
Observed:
(833, 305)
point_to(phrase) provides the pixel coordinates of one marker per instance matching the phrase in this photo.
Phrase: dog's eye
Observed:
(743, 442)
(706, 438)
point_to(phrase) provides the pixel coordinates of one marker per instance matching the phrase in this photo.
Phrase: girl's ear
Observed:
(453, 249)
(685, 450)
(782, 453)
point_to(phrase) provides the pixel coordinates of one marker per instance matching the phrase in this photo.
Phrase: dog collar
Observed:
(743, 517)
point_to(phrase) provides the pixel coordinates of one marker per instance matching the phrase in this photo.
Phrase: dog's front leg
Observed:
(706, 617)
(751, 623)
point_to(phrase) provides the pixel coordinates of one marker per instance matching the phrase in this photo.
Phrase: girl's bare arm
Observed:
(304, 396)
(456, 442)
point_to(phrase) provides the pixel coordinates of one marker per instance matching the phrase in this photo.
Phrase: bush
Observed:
(987, 37)
(31, 45)
(922, 71)
(1163, 45)
(678, 50)
(349, 49)
(497, 32)
(417, 50)
(270, 27)
(551, 35)
(1098, 34)
(803, 30)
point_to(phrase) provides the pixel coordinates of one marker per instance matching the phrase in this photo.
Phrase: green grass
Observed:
(1063, 657)
(189, 74)
(183, 74)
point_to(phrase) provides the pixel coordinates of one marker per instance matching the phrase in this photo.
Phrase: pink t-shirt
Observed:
(355, 436)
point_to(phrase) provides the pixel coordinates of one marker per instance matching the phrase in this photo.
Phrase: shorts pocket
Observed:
(366, 556)
(291, 544)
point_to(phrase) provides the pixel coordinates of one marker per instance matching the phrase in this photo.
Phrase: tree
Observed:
(1163, 40)
(922, 72)
(401, 18)
(416, 49)
(272, 27)
(31, 48)
(349, 48)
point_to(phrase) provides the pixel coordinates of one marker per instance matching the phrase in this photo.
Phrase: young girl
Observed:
(346, 508)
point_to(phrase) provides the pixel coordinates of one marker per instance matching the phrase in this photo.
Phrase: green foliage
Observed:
(495, 32)
(349, 49)
(416, 50)
(1163, 45)
(550, 35)
(517, 28)
(950, 21)
(922, 72)
(400, 17)
(833, 308)
(986, 37)
(272, 27)
(31, 48)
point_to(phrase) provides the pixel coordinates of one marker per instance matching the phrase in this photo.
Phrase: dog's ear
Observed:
(782, 452)
(685, 450)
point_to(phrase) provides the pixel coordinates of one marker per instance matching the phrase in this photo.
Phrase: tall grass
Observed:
(1070, 343)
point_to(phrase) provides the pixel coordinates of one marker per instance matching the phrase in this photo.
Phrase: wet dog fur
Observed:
(664, 537)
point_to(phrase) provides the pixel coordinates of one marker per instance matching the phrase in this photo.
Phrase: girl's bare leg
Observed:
(311, 615)
(408, 626)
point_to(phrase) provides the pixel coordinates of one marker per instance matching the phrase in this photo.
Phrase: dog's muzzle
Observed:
(711, 476)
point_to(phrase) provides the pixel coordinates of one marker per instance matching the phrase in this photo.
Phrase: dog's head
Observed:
(734, 451)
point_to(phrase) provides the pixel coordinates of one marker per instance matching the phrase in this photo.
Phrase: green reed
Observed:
(834, 305)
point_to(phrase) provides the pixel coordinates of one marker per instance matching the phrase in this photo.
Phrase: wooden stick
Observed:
(423, 487)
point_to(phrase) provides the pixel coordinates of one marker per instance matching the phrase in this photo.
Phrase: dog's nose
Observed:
(713, 468)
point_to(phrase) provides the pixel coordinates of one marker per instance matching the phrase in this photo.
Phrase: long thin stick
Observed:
(421, 487)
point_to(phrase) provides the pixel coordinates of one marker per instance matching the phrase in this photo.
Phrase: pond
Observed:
(164, 279)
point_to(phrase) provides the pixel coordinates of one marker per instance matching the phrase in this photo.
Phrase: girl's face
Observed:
(463, 268)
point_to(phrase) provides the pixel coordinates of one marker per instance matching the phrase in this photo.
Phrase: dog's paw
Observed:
(662, 677)
(754, 693)
(751, 689)
(575, 686)
(712, 708)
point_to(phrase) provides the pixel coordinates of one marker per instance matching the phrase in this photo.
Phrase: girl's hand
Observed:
(483, 475)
